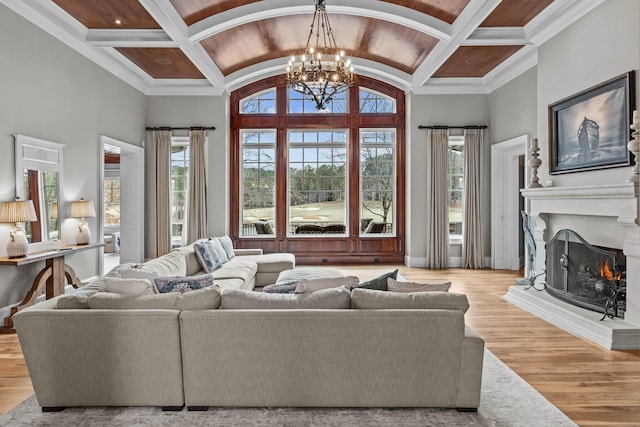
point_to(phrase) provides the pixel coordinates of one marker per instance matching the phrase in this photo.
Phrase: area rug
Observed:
(507, 401)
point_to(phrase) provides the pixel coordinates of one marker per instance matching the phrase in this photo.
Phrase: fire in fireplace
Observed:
(585, 275)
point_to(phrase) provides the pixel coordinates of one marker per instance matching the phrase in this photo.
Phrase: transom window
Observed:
(374, 102)
(262, 103)
(298, 105)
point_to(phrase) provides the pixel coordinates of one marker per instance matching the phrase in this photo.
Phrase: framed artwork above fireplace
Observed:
(590, 130)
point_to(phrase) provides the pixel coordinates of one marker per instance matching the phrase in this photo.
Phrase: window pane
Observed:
(456, 181)
(262, 103)
(377, 182)
(297, 104)
(258, 182)
(179, 184)
(317, 184)
(376, 103)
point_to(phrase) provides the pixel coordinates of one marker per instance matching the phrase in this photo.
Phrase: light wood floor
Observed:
(591, 385)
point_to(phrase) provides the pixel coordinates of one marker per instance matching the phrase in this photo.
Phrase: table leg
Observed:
(55, 283)
(35, 291)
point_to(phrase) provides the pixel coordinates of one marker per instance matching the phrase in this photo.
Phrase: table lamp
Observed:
(17, 212)
(83, 209)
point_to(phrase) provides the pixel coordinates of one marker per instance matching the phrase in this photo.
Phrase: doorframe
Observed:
(136, 186)
(505, 194)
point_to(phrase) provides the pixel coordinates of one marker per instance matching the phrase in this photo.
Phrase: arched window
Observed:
(326, 185)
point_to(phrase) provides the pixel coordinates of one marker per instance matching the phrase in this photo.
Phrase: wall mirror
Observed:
(38, 178)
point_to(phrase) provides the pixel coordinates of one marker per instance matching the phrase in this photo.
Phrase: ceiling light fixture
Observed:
(118, 21)
(163, 61)
(322, 71)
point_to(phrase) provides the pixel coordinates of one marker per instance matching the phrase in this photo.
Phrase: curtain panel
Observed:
(437, 255)
(162, 145)
(196, 221)
(472, 238)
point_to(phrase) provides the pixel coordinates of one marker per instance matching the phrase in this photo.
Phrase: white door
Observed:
(131, 199)
(505, 202)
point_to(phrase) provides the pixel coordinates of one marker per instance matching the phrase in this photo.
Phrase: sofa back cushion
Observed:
(190, 258)
(396, 286)
(118, 285)
(372, 299)
(316, 284)
(201, 299)
(336, 298)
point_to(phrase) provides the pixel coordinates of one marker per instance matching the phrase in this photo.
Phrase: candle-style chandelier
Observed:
(322, 71)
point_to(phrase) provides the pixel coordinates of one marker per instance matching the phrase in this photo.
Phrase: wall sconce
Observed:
(17, 212)
(83, 209)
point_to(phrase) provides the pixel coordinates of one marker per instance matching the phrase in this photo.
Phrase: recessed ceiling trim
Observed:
(452, 86)
(263, 10)
(169, 19)
(557, 17)
(496, 36)
(468, 21)
(130, 38)
(183, 87)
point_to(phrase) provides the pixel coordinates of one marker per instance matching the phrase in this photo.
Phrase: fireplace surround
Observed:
(606, 216)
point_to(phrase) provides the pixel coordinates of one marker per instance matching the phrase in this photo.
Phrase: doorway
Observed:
(121, 202)
(508, 176)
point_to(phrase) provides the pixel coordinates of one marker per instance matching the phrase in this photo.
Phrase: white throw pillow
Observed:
(396, 286)
(117, 285)
(316, 284)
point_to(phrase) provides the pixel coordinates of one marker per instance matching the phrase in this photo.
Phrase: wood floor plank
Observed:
(593, 386)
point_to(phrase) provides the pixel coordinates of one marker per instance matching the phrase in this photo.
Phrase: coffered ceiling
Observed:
(171, 47)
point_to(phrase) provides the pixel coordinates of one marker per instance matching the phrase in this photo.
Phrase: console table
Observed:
(52, 277)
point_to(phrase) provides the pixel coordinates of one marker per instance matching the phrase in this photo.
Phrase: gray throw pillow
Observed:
(379, 283)
(236, 299)
(182, 283)
(395, 286)
(207, 255)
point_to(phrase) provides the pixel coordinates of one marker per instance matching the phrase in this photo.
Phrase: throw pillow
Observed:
(182, 284)
(379, 283)
(268, 227)
(207, 256)
(395, 286)
(201, 299)
(227, 245)
(376, 300)
(316, 284)
(128, 286)
(236, 299)
(222, 254)
(285, 287)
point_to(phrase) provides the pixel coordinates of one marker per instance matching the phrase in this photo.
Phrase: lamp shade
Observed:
(54, 210)
(82, 209)
(18, 211)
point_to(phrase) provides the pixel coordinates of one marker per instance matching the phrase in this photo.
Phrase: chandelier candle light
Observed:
(322, 71)
(83, 209)
(17, 212)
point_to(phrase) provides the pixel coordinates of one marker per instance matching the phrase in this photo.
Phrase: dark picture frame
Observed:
(590, 130)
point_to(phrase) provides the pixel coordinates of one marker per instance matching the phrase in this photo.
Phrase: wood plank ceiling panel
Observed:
(475, 61)
(515, 13)
(104, 14)
(162, 62)
(445, 10)
(381, 41)
(193, 11)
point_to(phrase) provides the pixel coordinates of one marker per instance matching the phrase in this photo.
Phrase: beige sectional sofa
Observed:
(235, 347)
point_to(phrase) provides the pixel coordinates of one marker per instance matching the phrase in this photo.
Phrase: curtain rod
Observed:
(451, 127)
(182, 128)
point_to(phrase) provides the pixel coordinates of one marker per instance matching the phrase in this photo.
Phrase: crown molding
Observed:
(129, 38)
(555, 18)
(183, 87)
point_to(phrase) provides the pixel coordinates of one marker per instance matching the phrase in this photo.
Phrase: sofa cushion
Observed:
(183, 283)
(272, 263)
(336, 298)
(191, 260)
(294, 275)
(373, 299)
(73, 302)
(395, 286)
(207, 255)
(118, 285)
(227, 245)
(380, 282)
(316, 284)
(237, 268)
(136, 273)
(201, 299)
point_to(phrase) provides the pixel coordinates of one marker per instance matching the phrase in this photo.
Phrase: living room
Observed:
(55, 92)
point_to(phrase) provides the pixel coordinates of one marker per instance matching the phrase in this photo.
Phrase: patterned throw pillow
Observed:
(395, 286)
(183, 284)
(227, 245)
(222, 254)
(207, 256)
(285, 287)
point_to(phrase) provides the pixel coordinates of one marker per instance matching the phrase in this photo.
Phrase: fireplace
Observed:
(585, 275)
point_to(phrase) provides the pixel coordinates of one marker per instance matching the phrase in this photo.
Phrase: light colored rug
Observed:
(507, 401)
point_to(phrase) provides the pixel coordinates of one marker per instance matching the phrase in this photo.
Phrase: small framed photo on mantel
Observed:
(590, 130)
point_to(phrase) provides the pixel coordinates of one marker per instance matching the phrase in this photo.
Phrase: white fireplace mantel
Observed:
(596, 211)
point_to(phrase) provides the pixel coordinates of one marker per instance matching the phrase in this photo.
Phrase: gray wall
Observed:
(185, 111)
(51, 92)
(601, 45)
(513, 108)
(452, 110)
